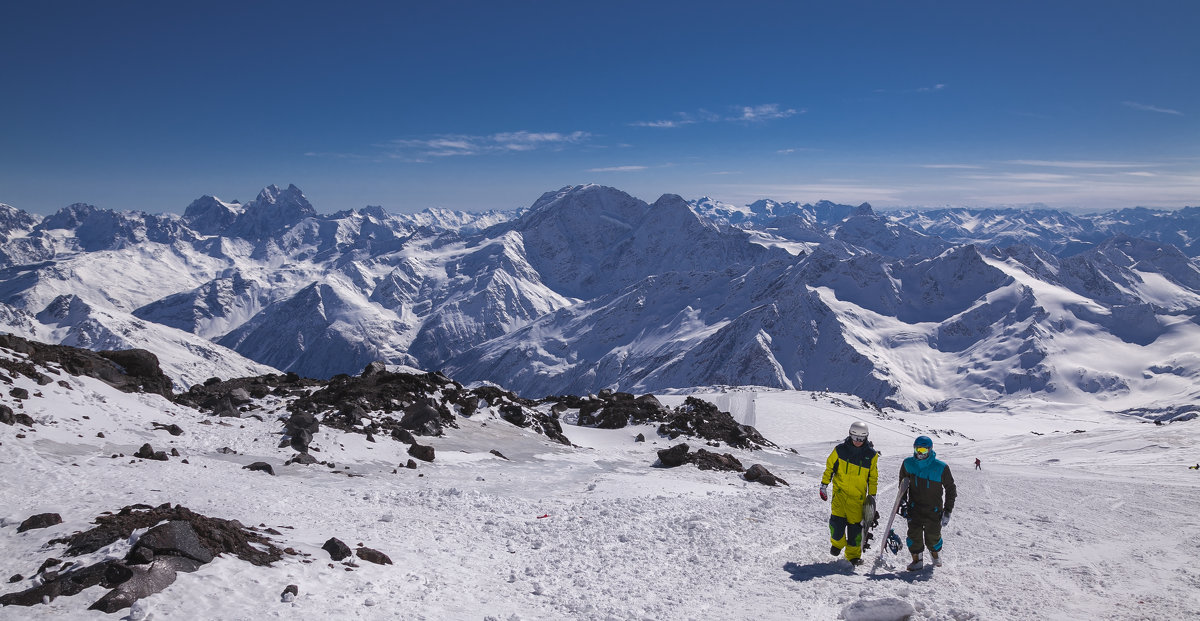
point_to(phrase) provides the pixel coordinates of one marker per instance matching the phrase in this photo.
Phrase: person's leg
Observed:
(837, 534)
(916, 542)
(933, 540)
(854, 534)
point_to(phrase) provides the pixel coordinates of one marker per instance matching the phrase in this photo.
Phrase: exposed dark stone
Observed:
(148, 452)
(19, 393)
(304, 459)
(176, 538)
(403, 435)
(422, 418)
(700, 418)
(759, 473)
(411, 465)
(260, 466)
(41, 520)
(640, 438)
(292, 590)
(217, 535)
(134, 370)
(373, 556)
(61, 585)
(674, 456)
(16, 578)
(375, 368)
(615, 410)
(172, 429)
(498, 454)
(336, 549)
(706, 460)
(6, 415)
(145, 580)
(421, 452)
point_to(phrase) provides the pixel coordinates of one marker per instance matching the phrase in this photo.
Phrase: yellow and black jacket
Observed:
(854, 472)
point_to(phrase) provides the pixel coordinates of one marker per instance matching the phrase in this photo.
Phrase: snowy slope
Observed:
(1076, 514)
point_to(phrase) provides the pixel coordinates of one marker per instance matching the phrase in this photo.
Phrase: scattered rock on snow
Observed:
(373, 556)
(148, 452)
(172, 429)
(260, 466)
(674, 456)
(41, 520)
(758, 473)
(336, 548)
(421, 452)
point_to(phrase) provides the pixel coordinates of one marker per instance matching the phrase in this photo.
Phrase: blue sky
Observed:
(481, 105)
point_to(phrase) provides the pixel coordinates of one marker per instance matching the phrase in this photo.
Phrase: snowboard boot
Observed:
(917, 563)
(856, 561)
(937, 560)
(834, 550)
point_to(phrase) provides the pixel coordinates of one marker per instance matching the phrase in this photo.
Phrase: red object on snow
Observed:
(543, 516)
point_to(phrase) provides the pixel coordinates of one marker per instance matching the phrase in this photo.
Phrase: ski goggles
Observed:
(858, 438)
(921, 452)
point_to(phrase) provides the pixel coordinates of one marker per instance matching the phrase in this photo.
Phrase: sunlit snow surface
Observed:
(1077, 514)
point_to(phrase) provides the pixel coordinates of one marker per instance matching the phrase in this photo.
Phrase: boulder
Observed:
(148, 452)
(260, 466)
(421, 452)
(759, 474)
(175, 538)
(674, 456)
(41, 520)
(336, 549)
(373, 556)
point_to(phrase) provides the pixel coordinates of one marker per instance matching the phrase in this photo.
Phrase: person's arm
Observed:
(951, 490)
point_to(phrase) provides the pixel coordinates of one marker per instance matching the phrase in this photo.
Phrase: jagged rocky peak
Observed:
(272, 213)
(864, 210)
(292, 196)
(13, 219)
(69, 217)
(209, 215)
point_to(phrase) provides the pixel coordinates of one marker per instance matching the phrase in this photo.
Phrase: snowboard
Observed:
(892, 517)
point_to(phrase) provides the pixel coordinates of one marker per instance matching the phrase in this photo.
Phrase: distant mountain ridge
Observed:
(591, 288)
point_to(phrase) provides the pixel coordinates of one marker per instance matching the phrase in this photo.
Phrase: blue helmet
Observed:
(923, 441)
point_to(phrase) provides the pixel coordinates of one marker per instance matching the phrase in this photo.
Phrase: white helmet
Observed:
(858, 430)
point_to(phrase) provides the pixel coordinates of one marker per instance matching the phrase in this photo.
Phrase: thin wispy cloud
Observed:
(741, 114)
(452, 145)
(952, 166)
(762, 113)
(618, 169)
(1081, 164)
(1148, 108)
(684, 118)
(930, 89)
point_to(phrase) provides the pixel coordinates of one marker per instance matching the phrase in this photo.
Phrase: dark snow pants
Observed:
(924, 532)
(847, 536)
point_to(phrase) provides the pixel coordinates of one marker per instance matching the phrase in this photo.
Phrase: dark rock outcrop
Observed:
(132, 370)
(41, 520)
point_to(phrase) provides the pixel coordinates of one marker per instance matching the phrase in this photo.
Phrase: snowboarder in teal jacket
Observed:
(929, 479)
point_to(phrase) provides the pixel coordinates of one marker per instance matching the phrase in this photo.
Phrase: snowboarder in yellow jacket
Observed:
(853, 468)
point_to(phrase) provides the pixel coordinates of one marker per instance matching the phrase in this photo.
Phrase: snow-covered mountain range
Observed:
(591, 288)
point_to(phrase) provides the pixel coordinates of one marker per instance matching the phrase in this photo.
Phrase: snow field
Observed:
(1100, 524)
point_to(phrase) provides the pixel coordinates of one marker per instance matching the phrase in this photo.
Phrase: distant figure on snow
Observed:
(853, 468)
(928, 478)
(1196, 467)
(977, 466)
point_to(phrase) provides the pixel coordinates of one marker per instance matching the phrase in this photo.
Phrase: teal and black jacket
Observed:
(929, 481)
